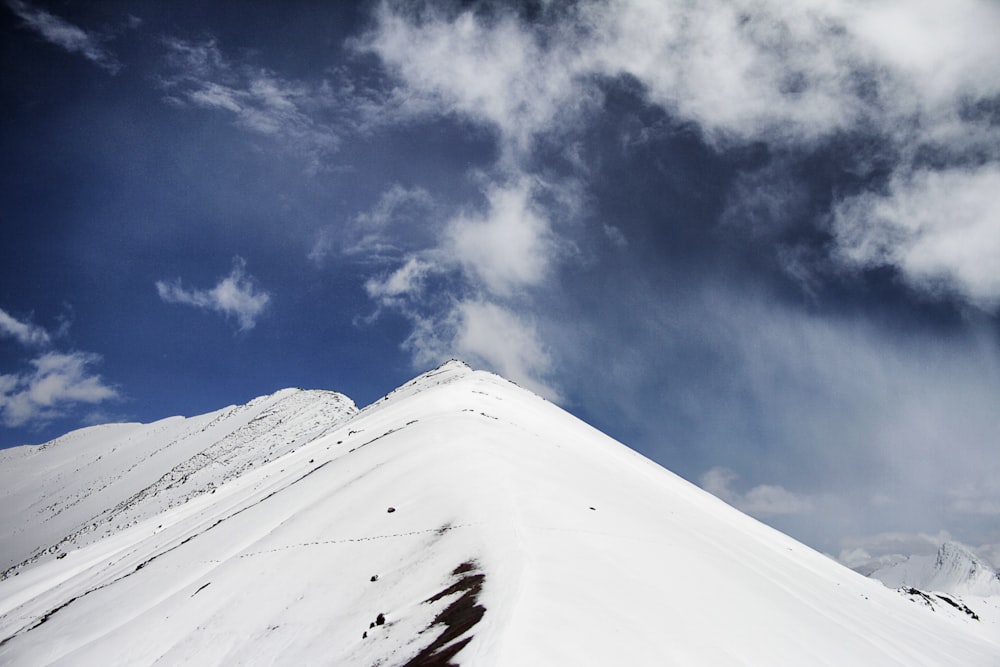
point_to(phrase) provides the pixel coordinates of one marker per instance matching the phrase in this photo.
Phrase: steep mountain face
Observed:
(954, 569)
(461, 520)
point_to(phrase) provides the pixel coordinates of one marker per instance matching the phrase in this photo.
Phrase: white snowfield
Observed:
(460, 520)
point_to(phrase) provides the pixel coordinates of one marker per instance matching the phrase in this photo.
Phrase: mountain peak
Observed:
(453, 364)
(448, 372)
(956, 553)
(460, 520)
(954, 569)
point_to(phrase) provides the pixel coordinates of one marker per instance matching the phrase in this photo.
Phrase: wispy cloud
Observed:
(500, 247)
(23, 332)
(402, 219)
(484, 263)
(236, 295)
(879, 427)
(764, 500)
(485, 333)
(58, 382)
(302, 116)
(64, 34)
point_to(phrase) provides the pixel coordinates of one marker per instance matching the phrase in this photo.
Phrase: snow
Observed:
(586, 553)
(91, 482)
(954, 570)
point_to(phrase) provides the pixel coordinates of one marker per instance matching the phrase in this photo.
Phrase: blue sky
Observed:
(758, 241)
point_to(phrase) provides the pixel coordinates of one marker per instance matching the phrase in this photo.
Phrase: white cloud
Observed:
(870, 551)
(945, 50)
(260, 101)
(484, 265)
(795, 72)
(509, 246)
(58, 381)
(742, 70)
(405, 282)
(941, 229)
(739, 70)
(791, 75)
(764, 500)
(64, 34)
(236, 296)
(495, 72)
(502, 249)
(989, 552)
(486, 334)
(24, 332)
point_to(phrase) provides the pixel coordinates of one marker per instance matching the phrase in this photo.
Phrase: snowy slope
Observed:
(954, 569)
(92, 482)
(461, 518)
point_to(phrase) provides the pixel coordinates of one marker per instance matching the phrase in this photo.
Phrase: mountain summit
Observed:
(460, 520)
(954, 569)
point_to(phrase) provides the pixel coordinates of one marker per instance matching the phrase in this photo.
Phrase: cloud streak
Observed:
(401, 219)
(878, 428)
(299, 115)
(23, 332)
(64, 34)
(235, 296)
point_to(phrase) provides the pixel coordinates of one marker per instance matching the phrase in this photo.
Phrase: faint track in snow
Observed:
(292, 421)
(348, 540)
(47, 615)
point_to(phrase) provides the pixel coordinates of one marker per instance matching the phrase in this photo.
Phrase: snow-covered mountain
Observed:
(954, 569)
(460, 520)
(93, 482)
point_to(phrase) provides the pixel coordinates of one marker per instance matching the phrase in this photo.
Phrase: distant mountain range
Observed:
(954, 569)
(460, 520)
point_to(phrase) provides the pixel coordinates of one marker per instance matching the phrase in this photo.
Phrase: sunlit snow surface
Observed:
(460, 520)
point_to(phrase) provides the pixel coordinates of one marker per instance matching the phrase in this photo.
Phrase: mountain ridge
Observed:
(462, 520)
